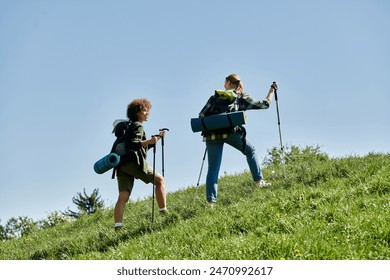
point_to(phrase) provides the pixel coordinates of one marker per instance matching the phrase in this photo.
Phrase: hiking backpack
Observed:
(226, 101)
(122, 133)
(223, 101)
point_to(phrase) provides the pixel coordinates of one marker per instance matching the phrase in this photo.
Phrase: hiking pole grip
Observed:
(162, 138)
(275, 90)
(163, 129)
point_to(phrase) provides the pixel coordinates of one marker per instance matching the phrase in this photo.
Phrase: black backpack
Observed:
(223, 101)
(122, 134)
(122, 131)
(226, 101)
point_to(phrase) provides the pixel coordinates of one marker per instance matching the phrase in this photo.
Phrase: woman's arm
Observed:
(153, 140)
(271, 91)
(249, 103)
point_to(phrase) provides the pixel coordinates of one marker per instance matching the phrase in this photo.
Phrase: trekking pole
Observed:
(277, 111)
(154, 178)
(200, 174)
(162, 147)
(280, 132)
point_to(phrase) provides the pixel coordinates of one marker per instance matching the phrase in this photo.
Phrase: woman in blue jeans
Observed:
(234, 137)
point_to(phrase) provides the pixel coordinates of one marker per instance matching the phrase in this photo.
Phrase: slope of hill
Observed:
(318, 208)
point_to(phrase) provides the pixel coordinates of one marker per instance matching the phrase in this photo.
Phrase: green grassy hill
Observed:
(317, 208)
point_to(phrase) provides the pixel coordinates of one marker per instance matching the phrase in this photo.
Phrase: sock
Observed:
(163, 209)
(118, 224)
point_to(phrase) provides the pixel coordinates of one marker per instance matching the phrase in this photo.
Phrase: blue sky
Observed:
(68, 69)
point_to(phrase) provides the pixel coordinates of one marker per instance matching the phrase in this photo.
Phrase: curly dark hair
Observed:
(136, 106)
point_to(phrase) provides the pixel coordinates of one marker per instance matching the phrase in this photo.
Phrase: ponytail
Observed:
(235, 80)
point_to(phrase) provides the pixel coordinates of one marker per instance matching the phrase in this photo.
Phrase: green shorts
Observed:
(127, 172)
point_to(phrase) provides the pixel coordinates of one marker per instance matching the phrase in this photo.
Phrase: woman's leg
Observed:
(214, 157)
(120, 206)
(147, 177)
(235, 140)
(125, 187)
(160, 191)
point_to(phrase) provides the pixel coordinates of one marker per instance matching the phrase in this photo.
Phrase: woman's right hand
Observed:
(154, 139)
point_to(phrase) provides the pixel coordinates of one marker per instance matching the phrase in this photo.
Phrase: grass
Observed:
(317, 209)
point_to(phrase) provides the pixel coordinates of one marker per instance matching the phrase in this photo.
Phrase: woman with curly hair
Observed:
(133, 165)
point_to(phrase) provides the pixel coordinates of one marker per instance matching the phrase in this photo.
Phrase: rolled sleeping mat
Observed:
(218, 121)
(106, 163)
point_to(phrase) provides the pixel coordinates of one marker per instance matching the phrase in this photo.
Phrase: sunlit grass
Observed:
(317, 208)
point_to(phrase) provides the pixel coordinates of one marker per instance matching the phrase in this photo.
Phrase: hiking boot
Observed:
(119, 228)
(262, 184)
(211, 204)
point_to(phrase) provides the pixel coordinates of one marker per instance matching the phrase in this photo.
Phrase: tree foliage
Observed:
(53, 219)
(23, 226)
(86, 204)
(18, 227)
(2, 232)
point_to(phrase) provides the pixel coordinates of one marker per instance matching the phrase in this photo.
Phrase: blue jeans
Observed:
(214, 156)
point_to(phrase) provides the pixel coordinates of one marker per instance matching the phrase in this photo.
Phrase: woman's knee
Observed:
(249, 149)
(159, 180)
(123, 196)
